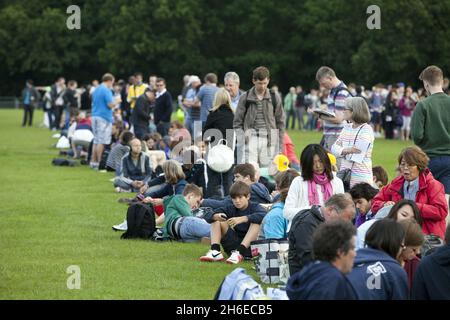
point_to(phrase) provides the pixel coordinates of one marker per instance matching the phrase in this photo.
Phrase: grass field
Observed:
(55, 217)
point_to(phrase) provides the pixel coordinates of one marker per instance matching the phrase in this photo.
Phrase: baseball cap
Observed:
(279, 164)
(332, 159)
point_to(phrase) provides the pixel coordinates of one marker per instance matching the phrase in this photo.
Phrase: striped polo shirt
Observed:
(337, 106)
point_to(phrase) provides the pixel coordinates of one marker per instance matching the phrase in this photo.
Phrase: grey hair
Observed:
(233, 76)
(340, 201)
(360, 109)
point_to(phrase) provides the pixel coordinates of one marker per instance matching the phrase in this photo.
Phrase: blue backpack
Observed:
(239, 286)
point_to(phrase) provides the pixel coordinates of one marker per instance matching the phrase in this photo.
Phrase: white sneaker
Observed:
(212, 256)
(235, 257)
(121, 227)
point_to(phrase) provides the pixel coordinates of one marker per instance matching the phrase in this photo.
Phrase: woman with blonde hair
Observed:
(219, 125)
(355, 143)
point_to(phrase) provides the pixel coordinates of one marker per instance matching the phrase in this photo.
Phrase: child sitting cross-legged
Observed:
(235, 226)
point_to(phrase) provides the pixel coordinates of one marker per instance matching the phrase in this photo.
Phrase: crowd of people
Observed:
(352, 233)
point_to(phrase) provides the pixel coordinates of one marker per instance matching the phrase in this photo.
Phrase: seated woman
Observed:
(172, 181)
(402, 210)
(135, 169)
(316, 184)
(274, 225)
(377, 273)
(178, 132)
(414, 239)
(416, 183)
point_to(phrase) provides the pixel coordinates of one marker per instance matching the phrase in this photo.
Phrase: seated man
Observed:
(116, 154)
(325, 279)
(234, 226)
(362, 195)
(247, 174)
(135, 169)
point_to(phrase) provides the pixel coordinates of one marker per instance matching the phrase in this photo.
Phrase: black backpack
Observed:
(141, 221)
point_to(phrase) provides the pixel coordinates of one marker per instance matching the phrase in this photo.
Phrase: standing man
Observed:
(102, 117)
(205, 97)
(289, 103)
(56, 93)
(259, 112)
(141, 114)
(336, 103)
(163, 107)
(232, 83)
(30, 99)
(431, 126)
(136, 90)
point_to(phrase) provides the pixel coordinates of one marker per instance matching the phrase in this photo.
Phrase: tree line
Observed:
(176, 37)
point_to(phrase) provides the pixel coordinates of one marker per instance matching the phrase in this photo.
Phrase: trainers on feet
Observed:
(235, 257)
(212, 256)
(121, 227)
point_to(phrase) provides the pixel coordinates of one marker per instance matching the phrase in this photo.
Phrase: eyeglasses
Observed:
(405, 165)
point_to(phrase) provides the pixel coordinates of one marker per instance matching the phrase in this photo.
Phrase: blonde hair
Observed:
(173, 172)
(220, 98)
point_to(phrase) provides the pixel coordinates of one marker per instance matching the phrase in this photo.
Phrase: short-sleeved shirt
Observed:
(206, 97)
(194, 113)
(101, 97)
(336, 105)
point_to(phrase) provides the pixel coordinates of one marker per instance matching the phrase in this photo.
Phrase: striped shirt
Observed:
(260, 123)
(361, 172)
(337, 106)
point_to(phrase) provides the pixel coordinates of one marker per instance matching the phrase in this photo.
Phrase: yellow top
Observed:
(134, 92)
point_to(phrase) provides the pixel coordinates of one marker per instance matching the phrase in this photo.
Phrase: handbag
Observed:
(220, 157)
(271, 260)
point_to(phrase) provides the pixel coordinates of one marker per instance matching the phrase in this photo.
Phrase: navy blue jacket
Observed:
(254, 212)
(320, 281)
(141, 172)
(258, 194)
(377, 276)
(163, 108)
(432, 279)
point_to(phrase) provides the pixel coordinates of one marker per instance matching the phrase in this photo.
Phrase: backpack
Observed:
(431, 243)
(141, 221)
(239, 286)
(64, 162)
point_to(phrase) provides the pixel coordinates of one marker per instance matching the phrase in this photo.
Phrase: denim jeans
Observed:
(440, 168)
(193, 229)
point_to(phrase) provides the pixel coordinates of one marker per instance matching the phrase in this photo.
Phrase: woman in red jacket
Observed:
(416, 183)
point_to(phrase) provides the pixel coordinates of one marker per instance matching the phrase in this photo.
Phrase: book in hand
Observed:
(325, 113)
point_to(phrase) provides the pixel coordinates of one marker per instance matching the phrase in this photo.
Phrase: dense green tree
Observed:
(176, 37)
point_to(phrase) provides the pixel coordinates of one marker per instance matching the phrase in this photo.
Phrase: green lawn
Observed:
(55, 217)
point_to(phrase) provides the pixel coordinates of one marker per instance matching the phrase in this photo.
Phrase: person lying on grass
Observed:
(234, 226)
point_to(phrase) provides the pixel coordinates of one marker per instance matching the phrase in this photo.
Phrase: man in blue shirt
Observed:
(102, 117)
(205, 96)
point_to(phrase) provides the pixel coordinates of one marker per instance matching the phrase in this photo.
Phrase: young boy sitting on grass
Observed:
(180, 224)
(246, 173)
(234, 226)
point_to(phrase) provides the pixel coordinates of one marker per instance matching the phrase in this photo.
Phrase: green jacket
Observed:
(174, 207)
(289, 101)
(430, 125)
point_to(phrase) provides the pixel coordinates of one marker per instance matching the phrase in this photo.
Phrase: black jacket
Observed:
(163, 108)
(432, 279)
(70, 100)
(221, 119)
(300, 237)
(141, 113)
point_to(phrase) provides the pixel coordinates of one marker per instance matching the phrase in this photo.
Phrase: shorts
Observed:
(231, 241)
(376, 117)
(406, 123)
(102, 130)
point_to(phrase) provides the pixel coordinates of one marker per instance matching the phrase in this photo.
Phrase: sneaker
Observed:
(212, 256)
(121, 227)
(235, 257)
